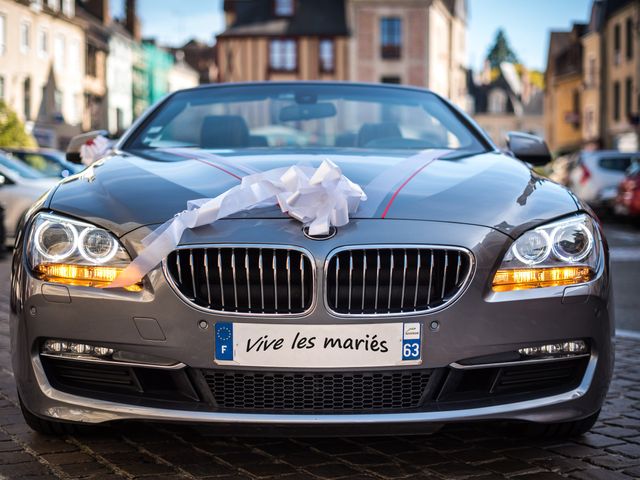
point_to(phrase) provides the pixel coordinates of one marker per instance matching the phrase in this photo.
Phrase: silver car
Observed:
(465, 287)
(596, 176)
(20, 187)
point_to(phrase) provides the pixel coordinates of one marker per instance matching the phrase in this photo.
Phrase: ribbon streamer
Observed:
(319, 198)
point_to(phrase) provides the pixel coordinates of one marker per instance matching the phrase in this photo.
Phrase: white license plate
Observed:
(318, 346)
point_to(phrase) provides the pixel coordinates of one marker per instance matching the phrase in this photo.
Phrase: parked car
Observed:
(3, 233)
(20, 187)
(628, 199)
(49, 162)
(596, 176)
(465, 287)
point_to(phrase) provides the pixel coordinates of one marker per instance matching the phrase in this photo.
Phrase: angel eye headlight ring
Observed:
(68, 229)
(92, 256)
(565, 256)
(529, 259)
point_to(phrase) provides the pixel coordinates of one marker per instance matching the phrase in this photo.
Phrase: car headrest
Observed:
(224, 131)
(376, 131)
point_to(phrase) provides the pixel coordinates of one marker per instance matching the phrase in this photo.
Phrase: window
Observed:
(391, 37)
(616, 101)
(36, 4)
(53, 5)
(497, 101)
(283, 55)
(25, 37)
(3, 34)
(576, 109)
(591, 72)
(26, 98)
(616, 44)
(59, 51)
(628, 97)
(629, 38)
(327, 55)
(57, 101)
(318, 115)
(68, 8)
(283, 8)
(391, 79)
(91, 61)
(43, 43)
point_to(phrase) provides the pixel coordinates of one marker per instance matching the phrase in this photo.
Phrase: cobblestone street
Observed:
(483, 452)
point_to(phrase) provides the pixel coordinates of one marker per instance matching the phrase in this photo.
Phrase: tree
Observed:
(12, 132)
(501, 51)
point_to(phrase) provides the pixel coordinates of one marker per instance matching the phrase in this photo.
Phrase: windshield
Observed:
(305, 116)
(20, 169)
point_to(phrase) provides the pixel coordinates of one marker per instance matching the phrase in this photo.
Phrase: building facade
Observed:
(42, 58)
(415, 42)
(504, 102)
(158, 62)
(283, 40)
(182, 75)
(593, 81)
(120, 79)
(563, 90)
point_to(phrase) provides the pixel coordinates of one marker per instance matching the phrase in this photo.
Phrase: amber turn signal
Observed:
(525, 278)
(81, 275)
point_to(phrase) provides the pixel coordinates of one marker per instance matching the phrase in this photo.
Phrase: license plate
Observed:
(318, 346)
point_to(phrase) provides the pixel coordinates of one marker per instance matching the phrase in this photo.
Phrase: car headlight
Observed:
(560, 253)
(62, 250)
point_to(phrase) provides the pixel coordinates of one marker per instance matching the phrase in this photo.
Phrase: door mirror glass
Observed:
(528, 148)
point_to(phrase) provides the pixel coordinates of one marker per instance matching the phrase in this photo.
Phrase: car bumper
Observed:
(480, 323)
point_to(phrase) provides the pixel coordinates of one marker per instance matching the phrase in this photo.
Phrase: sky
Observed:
(174, 22)
(526, 22)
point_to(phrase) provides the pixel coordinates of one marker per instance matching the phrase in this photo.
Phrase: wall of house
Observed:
(246, 59)
(119, 81)
(367, 63)
(57, 114)
(562, 130)
(498, 125)
(591, 101)
(619, 68)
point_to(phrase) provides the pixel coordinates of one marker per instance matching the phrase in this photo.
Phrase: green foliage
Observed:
(12, 132)
(501, 51)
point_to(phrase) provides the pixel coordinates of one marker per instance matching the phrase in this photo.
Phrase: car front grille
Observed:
(317, 391)
(372, 281)
(244, 280)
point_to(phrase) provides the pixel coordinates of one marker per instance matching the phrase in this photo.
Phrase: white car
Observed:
(596, 177)
(20, 187)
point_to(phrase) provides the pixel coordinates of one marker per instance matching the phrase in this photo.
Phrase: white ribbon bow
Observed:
(94, 149)
(318, 197)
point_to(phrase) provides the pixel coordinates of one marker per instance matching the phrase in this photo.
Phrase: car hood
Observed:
(124, 192)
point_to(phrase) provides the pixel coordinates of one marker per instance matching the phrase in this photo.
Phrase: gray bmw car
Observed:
(465, 287)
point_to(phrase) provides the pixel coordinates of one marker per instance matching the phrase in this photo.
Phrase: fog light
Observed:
(573, 347)
(63, 348)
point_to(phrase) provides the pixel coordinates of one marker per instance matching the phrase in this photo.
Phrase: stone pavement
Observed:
(474, 451)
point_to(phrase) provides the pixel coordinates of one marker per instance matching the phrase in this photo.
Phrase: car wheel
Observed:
(49, 427)
(560, 429)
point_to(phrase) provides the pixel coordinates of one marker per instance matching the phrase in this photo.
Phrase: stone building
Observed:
(283, 40)
(42, 64)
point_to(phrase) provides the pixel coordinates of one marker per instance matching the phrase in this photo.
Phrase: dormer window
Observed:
(283, 8)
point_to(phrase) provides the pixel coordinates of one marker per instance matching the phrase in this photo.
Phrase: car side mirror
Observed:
(73, 150)
(528, 148)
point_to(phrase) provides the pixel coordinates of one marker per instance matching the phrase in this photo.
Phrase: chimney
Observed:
(132, 23)
(99, 9)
